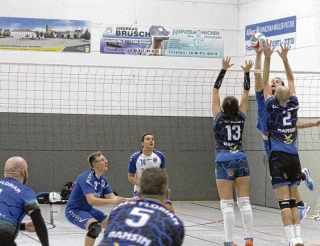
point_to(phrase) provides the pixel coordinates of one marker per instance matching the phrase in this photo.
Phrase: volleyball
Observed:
(258, 40)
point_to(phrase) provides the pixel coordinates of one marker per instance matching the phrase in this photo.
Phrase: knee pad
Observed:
(293, 203)
(227, 206)
(244, 204)
(284, 204)
(94, 230)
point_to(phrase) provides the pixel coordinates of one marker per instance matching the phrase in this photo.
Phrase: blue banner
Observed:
(280, 31)
(272, 28)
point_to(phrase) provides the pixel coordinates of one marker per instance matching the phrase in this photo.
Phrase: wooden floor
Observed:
(202, 220)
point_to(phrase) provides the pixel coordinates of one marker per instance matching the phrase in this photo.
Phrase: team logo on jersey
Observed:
(155, 160)
(103, 184)
(234, 149)
(230, 172)
(285, 175)
(287, 139)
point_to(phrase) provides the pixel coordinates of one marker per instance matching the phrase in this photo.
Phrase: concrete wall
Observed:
(57, 146)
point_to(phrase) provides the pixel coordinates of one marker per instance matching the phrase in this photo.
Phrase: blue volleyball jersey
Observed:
(87, 183)
(16, 200)
(228, 135)
(282, 124)
(262, 113)
(139, 162)
(143, 222)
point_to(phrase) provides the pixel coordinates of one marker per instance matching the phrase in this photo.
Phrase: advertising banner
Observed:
(278, 31)
(161, 41)
(53, 35)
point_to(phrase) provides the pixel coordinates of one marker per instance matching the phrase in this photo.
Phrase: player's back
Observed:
(143, 222)
(228, 135)
(17, 198)
(282, 121)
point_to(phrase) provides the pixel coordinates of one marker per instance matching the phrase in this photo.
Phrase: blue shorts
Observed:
(80, 217)
(168, 201)
(230, 170)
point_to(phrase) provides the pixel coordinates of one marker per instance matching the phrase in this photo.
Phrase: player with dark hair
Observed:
(284, 164)
(87, 192)
(145, 221)
(18, 200)
(146, 158)
(262, 124)
(232, 169)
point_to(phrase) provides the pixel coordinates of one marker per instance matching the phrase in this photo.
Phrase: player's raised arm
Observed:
(246, 87)
(307, 124)
(267, 50)
(216, 108)
(257, 76)
(284, 56)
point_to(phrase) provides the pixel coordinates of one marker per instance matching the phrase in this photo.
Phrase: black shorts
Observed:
(285, 169)
(6, 237)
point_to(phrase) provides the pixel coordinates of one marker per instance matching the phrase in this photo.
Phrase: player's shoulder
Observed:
(158, 152)
(26, 189)
(293, 98)
(85, 175)
(270, 100)
(135, 155)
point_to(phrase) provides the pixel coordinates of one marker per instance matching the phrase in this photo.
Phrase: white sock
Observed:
(228, 218)
(289, 231)
(297, 230)
(246, 212)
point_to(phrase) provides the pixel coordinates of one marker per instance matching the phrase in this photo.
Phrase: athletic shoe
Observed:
(294, 242)
(308, 181)
(299, 240)
(229, 244)
(303, 210)
(249, 241)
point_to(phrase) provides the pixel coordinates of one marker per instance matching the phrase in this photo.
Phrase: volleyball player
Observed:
(91, 189)
(284, 164)
(232, 169)
(146, 158)
(16, 201)
(145, 221)
(262, 124)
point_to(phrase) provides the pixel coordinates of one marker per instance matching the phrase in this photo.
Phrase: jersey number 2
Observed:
(286, 119)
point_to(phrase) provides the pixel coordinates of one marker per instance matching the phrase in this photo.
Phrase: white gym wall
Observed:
(231, 16)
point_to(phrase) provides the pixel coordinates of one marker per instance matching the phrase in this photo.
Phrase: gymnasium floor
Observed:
(202, 220)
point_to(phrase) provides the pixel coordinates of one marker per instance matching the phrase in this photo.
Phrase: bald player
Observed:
(16, 201)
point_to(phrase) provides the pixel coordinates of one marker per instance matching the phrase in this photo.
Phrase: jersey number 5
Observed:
(143, 215)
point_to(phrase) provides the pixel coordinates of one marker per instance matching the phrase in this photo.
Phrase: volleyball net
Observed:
(61, 107)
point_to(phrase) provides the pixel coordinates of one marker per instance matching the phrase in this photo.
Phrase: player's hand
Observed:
(258, 51)
(284, 51)
(248, 66)
(119, 199)
(318, 122)
(268, 50)
(226, 63)
(132, 198)
(30, 227)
